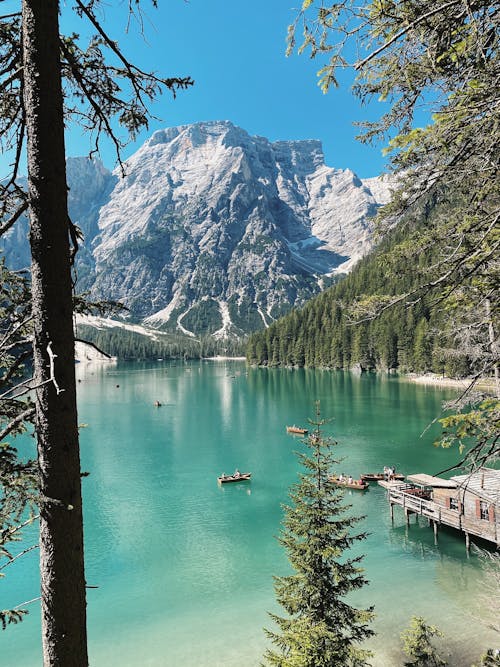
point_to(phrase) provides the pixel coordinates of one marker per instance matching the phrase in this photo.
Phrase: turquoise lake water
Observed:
(184, 567)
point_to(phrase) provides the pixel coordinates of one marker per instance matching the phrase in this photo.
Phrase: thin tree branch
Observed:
(7, 534)
(13, 218)
(402, 32)
(102, 118)
(23, 416)
(14, 558)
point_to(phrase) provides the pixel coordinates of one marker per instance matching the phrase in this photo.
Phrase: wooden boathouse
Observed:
(470, 503)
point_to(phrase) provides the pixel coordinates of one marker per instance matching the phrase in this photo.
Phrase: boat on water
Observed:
(377, 476)
(241, 477)
(296, 429)
(357, 484)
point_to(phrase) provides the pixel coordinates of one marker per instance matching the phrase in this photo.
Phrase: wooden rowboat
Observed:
(358, 485)
(242, 477)
(376, 476)
(297, 430)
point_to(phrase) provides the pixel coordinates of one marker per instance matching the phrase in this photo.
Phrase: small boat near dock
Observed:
(377, 476)
(357, 484)
(296, 430)
(241, 477)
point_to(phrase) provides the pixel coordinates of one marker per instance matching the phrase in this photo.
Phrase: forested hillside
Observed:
(339, 329)
(124, 344)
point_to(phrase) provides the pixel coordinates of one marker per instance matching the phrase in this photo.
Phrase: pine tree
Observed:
(321, 629)
(417, 644)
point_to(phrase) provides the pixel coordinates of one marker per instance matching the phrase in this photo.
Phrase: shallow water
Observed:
(184, 567)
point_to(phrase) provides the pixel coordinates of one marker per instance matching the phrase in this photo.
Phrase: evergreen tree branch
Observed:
(26, 415)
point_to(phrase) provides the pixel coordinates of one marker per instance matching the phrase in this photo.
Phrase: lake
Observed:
(184, 567)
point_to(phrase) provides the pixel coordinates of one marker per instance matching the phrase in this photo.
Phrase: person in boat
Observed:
(341, 477)
(236, 474)
(350, 480)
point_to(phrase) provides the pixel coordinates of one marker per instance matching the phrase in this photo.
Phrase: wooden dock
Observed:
(392, 484)
(466, 503)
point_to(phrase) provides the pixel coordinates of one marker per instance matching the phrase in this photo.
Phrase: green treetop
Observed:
(321, 629)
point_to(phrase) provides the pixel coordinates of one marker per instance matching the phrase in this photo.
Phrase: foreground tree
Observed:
(35, 111)
(440, 59)
(18, 477)
(321, 628)
(61, 523)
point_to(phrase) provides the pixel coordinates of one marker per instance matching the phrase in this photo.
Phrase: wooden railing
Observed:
(415, 504)
(440, 514)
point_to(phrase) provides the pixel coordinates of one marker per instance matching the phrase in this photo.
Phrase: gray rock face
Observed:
(214, 231)
(89, 187)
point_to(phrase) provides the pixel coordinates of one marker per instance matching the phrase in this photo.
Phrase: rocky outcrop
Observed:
(215, 231)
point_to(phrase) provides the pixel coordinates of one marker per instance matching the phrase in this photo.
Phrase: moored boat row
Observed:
(376, 476)
(349, 483)
(361, 484)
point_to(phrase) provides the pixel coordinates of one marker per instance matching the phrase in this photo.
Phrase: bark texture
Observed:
(61, 526)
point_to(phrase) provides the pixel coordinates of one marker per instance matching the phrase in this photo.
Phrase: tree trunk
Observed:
(61, 527)
(493, 346)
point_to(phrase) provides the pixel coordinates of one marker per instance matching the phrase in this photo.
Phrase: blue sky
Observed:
(235, 52)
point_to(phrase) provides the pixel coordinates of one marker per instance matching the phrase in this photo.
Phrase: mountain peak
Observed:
(217, 230)
(199, 131)
(213, 230)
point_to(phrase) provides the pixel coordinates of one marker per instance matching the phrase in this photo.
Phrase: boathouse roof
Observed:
(429, 480)
(485, 483)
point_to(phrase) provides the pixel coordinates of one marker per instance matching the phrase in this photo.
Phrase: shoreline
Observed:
(441, 381)
(220, 357)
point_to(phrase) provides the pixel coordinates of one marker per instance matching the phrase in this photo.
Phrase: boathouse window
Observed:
(484, 510)
(454, 504)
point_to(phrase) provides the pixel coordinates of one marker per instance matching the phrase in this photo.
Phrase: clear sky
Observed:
(235, 52)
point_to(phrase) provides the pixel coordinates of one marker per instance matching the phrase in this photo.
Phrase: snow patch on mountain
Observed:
(225, 330)
(98, 322)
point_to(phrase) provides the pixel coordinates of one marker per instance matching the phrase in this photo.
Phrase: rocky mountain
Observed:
(89, 188)
(215, 231)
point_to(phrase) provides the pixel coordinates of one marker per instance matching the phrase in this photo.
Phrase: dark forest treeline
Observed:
(126, 344)
(328, 332)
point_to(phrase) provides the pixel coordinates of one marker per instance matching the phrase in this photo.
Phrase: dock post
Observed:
(407, 516)
(392, 513)
(467, 541)
(435, 526)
